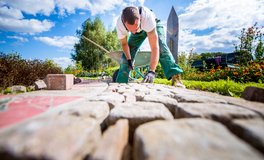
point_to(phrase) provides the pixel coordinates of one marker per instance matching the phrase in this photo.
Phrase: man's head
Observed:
(131, 18)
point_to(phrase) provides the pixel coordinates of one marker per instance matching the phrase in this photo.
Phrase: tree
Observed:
(250, 42)
(90, 56)
(259, 52)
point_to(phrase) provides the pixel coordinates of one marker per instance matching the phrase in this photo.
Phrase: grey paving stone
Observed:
(170, 103)
(125, 89)
(112, 98)
(162, 93)
(113, 142)
(251, 130)
(189, 139)
(138, 113)
(95, 110)
(220, 112)
(129, 97)
(53, 137)
(139, 95)
(254, 106)
(198, 98)
(140, 88)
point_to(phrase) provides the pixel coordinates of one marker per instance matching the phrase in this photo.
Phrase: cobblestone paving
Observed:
(97, 120)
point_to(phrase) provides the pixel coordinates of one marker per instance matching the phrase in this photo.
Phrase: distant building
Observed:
(225, 60)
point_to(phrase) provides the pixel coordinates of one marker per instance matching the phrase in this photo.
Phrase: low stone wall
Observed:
(141, 121)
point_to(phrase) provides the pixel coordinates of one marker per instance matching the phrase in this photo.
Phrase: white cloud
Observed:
(66, 42)
(32, 6)
(2, 42)
(94, 6)
(11, 12)
(6, 12)
(225, 18)
(101, 6)
(69, 6)
(11, 19)
(63, 62)
(46, 7)
(21, 39)
(30, 26)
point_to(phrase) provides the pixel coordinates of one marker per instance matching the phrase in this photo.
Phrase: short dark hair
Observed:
(130, 14)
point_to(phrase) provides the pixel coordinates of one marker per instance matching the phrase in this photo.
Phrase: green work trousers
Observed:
(166, 59)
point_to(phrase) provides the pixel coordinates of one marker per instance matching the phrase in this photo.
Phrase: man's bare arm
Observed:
(154, 45)
(125, 47)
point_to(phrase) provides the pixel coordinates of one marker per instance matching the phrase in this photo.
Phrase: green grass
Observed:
(89, 78)
(224, 87)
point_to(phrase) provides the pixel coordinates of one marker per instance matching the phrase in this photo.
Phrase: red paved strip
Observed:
(21, 108)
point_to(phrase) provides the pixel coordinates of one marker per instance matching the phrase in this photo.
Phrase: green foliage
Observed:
(75, 70)
(78, 71)
(185, 63)
(7, 90)
(259, 53)
(243, 57)
(110, 71)
(17, 71)
(250, 41)
(90, 56)
(159, 72)
(224, 87)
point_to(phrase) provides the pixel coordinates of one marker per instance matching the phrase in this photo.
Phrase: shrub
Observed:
(253, 72)
(110, 71)
(76, 70)
(17, 71)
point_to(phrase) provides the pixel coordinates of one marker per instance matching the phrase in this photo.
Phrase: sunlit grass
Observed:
(224, 87)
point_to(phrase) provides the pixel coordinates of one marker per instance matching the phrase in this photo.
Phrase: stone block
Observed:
(215, 111)
(18, 89)
(51, 137)
(40, 84)
(253, 94)
(170, 103)
(77, 80)
(138, 113)
(113, 142)
(251, 130)
(59, 81)
(189, 139)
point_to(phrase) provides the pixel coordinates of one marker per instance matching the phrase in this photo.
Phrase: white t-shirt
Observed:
(148, 23)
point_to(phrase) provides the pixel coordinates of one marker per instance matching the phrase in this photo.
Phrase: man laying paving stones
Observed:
(140, 22)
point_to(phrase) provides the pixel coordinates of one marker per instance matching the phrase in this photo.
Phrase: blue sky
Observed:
(45, 29)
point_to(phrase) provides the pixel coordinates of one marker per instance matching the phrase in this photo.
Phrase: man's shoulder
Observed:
(120, 28)
(146, 10)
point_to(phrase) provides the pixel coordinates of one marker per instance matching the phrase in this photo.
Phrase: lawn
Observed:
(224, 87)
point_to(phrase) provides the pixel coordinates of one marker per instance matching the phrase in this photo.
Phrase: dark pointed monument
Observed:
(173, 33)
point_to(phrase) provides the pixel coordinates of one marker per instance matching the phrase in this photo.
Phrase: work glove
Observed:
(149, 77)
(130, 64)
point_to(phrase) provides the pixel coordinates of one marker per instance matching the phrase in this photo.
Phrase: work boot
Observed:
(176, 81)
